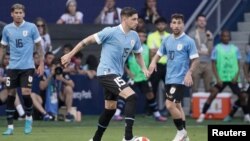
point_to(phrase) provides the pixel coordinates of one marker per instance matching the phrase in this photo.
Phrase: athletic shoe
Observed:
(247, 118)
(28, 126)
(9, 131)
(227, 119)
(133, 139)
(47, 117)
(180, 136)
(69, 118)
(201, 118)
(117, 118)
(161, 118)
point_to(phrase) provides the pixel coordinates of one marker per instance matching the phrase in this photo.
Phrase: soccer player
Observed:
(117, 43)
(182, 57)
(226, 68)
(140, 81)
(21, 37)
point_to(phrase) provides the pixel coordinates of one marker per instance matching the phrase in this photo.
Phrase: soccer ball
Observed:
(141, 139)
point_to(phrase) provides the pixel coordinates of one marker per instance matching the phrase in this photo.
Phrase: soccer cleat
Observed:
(9, 131)
(91, 140)
(201, 118)
(180, 136)
(117, 118)
(69, 118)
(28, 126)
(161, 118)
(247, 118)
(227, 119)
(133, 139)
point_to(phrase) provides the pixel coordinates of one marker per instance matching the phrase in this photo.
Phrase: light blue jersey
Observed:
(116, 46)
(21, 41)
(179, 52)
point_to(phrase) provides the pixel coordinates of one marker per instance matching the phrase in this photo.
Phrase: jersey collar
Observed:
(180, 36)
(20, 24)
(120, 26)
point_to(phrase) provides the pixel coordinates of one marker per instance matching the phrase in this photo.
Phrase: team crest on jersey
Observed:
(25, 33)
(132, 43)
(30, 79)
(179, 47)
(172, 90)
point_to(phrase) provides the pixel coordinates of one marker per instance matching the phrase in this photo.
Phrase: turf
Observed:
(83, 131)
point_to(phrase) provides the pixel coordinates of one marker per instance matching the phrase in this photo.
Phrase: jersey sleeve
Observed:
(192, 50)
(103, 35)
(137, 47)
(238, 53)
(5, 39)
(162, 50)
(35, 34)
(214, 53)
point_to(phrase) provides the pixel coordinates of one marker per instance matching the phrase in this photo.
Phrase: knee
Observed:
(110, 105)
(169, 105)
(68, 90)
(26, 91)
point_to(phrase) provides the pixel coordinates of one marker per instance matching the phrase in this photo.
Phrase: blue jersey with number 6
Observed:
(116, 46)
(21, 41)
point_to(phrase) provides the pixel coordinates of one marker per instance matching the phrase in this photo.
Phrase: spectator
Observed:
(72, 16)
(70, 68)
(154, 42)
(59, 87)
(204, 43)
(43, 30)
(38, 92)
(110, 14)
(150, 13)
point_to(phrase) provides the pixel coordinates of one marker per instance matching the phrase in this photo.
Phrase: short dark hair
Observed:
(200, 15)
(48, 53)
(177, 16)
(128, 12)
(17, 6)
(160, 20)
(68, 45)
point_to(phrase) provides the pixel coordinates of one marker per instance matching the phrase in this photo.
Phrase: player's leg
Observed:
(243, 97)
(3, 96)
(11, 84)
(120, 107)
(106, 116)
(19, 106)
(146, 88)
(214, 91)
(26, 79)
(174, 96)
(235, 107)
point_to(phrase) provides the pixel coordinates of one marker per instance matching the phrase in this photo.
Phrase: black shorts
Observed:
(113, 84)
(19, 78)
(144, 86)
(233, 86)
(175, 92)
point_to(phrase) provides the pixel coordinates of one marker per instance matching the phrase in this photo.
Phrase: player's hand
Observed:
(152, 68)
(188, 81)
(65, 60)
(40, 69)
(146, 72)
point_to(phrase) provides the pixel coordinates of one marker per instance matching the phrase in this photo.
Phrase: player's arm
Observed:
(2, 51)
(194, 63)
(82, 44)
(40, 52)
(152, 66)
(140, 61)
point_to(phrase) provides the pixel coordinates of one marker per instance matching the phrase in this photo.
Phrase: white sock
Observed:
(20, 110)
(118, 112)
(11, 126)
(28, 118)
(157, 114)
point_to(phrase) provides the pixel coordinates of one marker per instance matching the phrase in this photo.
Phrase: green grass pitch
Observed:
(83, 131)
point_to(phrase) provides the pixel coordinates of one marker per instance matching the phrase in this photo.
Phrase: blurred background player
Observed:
(21, 66)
